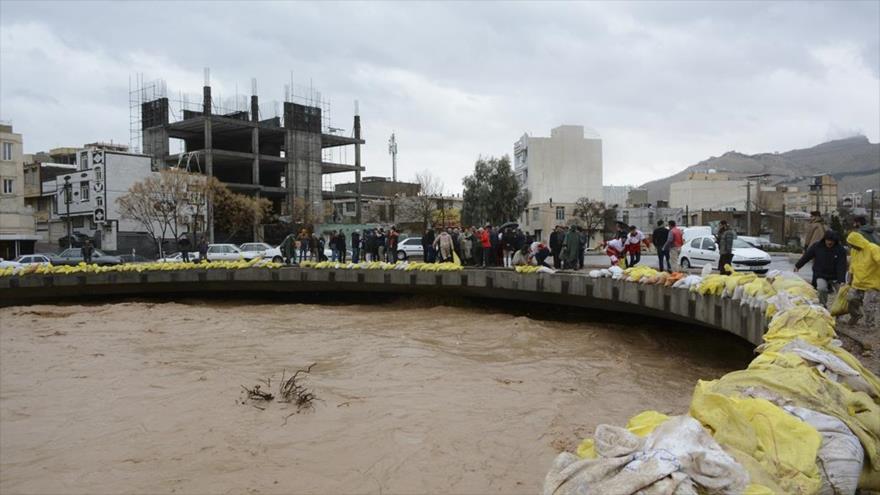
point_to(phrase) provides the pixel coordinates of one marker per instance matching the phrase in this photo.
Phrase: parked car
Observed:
(225, 252)
(27, 259)
(77, 239)
(701, 250)
(174, 258)
(411, 246)
(251, 250)
(73, 256)
(9, 264)
(688, 233)
(134, 258)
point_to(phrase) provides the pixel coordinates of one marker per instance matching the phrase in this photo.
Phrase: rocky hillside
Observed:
(854, 162)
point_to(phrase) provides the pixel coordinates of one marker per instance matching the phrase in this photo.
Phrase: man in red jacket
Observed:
(486, 243)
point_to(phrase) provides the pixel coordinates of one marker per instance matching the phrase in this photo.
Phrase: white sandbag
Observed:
(687, 282)
(832, 366)
(616, 272)
(595, 274)
(840, 454)
(707, 270)
(544, 269)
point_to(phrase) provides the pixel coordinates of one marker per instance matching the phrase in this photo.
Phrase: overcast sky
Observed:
(665, 84)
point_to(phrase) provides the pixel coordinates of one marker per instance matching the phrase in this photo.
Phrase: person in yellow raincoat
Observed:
(864, 272)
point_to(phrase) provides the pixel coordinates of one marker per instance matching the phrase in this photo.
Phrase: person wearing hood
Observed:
(829, 264)
(861, 225)
(570, 248)
(815, 230)
(443, 245)
(864, 274)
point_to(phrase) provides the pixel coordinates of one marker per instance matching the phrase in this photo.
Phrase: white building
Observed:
(557, 171)
(710, 191)
(615, 195)
(17, 228)
(100, 178)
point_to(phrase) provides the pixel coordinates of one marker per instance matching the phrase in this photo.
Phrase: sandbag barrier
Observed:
(802, 418)
(82, 268)
(382, 265)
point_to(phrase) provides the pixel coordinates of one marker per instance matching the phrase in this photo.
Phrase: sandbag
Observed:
(840, 455)
(840, 306)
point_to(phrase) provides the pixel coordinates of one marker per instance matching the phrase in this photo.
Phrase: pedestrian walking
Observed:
(725, 237)
(864, 276)
(673, 245)
(203, 250)
(829, 264)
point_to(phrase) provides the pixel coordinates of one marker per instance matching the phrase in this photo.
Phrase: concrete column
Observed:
(357, 172)
(255, 173)
(209, 157)
(290, 172)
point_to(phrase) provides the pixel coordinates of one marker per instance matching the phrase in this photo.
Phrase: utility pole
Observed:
(392, 150)
(748, 207)
(67, 194)
(872, 205)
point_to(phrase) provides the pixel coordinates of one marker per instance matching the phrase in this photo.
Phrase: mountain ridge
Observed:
(854, 162)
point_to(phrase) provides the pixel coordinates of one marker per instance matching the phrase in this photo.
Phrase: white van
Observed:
(699, 231)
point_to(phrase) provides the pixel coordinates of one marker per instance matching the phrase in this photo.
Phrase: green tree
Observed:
(590, 215)
(492, 194)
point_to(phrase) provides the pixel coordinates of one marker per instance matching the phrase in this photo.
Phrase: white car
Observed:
(701, 250)
(225, 252)
(251, 250)
(9, 264)
(178, 258)
(27, 259)
(411, 246)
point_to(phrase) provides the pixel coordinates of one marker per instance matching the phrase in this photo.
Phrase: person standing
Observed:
(392, 245)
(725, 238)
(467, 248)
(582, 236)
(443, 244)
(486, 245)
(861, 225)
(303, 239)
(87, 251)
(673, 245)
(356, 246)
(183, 245)
(570, 248)
(864, 275)
(428, 245)
(815, 230)
(380, 244)
(556, 238)
(342, 246)
(203, 250)
(658, 238)
(829, 264)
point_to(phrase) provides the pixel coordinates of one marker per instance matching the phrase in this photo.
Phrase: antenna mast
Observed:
(392, 150)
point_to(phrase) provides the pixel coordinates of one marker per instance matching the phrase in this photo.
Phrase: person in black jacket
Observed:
(658, 238)
(556, 246)
(356, 246)
(829, 264)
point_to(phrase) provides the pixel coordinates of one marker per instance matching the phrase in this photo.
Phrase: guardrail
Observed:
(576, 290)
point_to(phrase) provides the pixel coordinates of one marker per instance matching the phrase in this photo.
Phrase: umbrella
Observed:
(512, 225)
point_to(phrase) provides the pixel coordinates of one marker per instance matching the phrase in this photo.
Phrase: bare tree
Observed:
(590, 215)
(164, 203)
(235, 212)
(421, 207)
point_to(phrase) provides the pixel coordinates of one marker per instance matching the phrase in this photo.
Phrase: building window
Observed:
(8, 185)
(78, 222)
(560, 213)
(534, 214)
(98, 174)
(84, 190)
(7, 151)
(526, 216)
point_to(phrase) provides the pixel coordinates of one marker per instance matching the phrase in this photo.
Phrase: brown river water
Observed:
(415, 396)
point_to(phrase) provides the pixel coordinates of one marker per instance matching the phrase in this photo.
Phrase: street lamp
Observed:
(67, 194)
(872, 205)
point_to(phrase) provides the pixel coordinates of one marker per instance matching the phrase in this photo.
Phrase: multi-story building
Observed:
(86, 199)
(645, 218)
(615, 196)
(819, 193)
(557, 171)
(708, 191)
(39, 169)
(280, 158)
(637, 198)
(17, 232)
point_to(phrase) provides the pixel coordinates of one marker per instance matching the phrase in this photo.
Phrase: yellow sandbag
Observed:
(795, 286)
(641, 424)
(760, 288)
(754, 489)
(737, 279)
(840, 306)
(806, 387)
(808, 323)
(712, 284)
(783, 446)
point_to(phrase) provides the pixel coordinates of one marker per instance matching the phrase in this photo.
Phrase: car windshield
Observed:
(71, 252)
(741, 244)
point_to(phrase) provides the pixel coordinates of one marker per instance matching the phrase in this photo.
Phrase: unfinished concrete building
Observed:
(281, 158)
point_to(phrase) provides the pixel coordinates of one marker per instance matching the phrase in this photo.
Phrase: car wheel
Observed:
(277, 259)
(401, 255)
(685, 263)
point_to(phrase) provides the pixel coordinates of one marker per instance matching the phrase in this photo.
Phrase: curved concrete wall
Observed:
(565, 289)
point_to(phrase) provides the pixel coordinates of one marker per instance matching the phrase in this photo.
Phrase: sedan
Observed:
(73, 256)
(29, 259)
(411, 246)
(251, 250)
(226, 252)
(701, 250)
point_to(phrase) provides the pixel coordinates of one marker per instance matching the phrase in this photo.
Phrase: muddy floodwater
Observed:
(414, 396)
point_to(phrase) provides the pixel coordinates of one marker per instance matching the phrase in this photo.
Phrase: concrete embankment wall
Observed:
(560, 288)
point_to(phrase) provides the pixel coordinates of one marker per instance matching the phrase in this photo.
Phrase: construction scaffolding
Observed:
(286, 154)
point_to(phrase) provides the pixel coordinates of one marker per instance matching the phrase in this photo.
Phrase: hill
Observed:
(854, 162)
